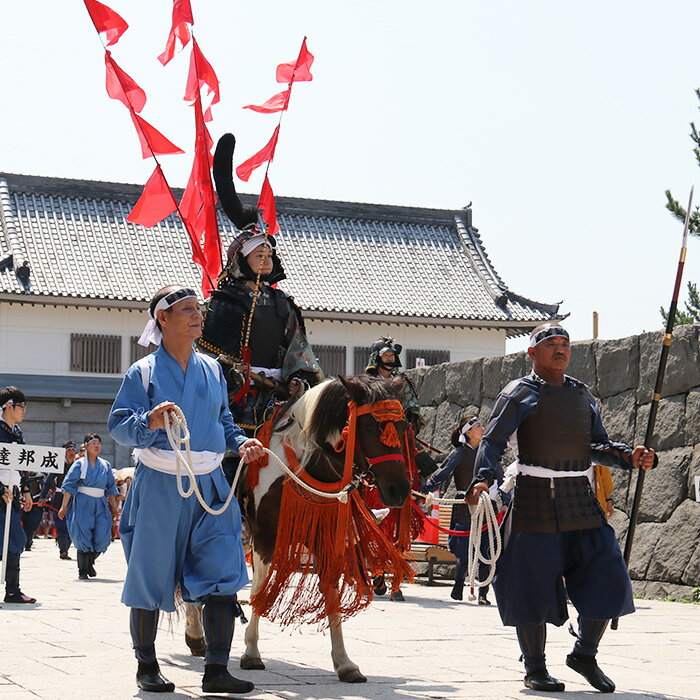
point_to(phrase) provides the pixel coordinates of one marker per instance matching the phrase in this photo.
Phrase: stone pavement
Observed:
(75, 644)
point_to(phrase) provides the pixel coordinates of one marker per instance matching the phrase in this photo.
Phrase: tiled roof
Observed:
(342, 258)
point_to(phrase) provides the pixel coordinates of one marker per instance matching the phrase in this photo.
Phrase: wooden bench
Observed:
(433, 554)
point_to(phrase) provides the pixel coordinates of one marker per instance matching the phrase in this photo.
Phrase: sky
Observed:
(563, 123)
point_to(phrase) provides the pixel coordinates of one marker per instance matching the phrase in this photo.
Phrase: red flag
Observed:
(266, 202)
(182, 16)
(297, 71)
(245, 169)
(155, 203)
(277, 103)
(106, 21)
(153, 143)
(198, 206)
(121, 86)
(201, 73)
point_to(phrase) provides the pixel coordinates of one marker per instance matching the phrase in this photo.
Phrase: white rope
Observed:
(482, 514)
(430, 499)
(342, 496)
(178, 436)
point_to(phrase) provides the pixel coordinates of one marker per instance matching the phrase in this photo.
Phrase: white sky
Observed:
(562, 122)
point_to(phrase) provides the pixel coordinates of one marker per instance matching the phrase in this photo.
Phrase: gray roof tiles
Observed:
(341, 257)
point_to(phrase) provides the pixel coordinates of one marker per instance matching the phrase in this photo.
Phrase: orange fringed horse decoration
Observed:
(314, 557)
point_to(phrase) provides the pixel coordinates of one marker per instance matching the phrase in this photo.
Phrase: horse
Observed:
(317, 436)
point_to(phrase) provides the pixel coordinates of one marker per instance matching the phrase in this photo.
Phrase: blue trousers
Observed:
(17, 537)
(537, 570)
(170, 540)
(89, 523)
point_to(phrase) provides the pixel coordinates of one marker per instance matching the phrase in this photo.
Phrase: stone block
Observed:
(417, 375)
(692, 417)
(463, 382)
(669, 429)
(693, 471)
(515, 366)
(691, 575)
(619, 522)
(428, 415)
(446, 418)
(485, 410)
(676, 545)
(658, 590)
(492, 377)
(646, 536)
(619, 415)
(621, 481)
(582, 365)
(682, 370)
(664, 487)
(617, 365)
(432, 389)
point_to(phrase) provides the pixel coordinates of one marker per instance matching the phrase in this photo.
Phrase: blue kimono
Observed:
(170, 540)
(88, 518)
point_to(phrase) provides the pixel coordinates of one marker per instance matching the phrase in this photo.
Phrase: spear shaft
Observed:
(654, 407)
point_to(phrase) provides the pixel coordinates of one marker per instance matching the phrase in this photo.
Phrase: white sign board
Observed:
(32, 458)
(697, 488)
(420, 362)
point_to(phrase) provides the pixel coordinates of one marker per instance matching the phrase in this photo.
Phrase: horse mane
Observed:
(322, 412)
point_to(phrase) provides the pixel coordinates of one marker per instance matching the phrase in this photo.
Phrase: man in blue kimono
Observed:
(170, 540)
(559, 541)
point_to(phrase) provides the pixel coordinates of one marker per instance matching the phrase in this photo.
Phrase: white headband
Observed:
(151, 332)
(5, 405)
(467, 427)
(547, 333)
(252, 243)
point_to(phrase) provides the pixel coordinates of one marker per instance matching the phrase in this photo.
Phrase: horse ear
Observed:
(354, 391)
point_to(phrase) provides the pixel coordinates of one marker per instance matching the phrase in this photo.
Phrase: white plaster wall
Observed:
(463, 343)
(36, 339)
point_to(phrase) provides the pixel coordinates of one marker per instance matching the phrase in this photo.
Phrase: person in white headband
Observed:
(170, 541)
(560, 542)
(459, 465)
(14, 492)
(151, 333)
(90, 501)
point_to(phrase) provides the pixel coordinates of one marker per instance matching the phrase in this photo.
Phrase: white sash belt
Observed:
(544, 473)
(91, 491)
(164, 460)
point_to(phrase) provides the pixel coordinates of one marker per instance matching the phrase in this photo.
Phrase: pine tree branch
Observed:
(679, 213)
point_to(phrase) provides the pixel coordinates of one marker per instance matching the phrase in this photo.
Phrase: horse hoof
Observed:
(250, 663)
(197, 646)
(352, 675)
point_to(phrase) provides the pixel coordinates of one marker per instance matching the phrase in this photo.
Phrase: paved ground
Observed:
(75, 644)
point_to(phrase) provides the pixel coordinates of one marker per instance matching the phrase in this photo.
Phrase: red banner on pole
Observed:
(297, 71)
(265, 154)
(277, 103)
(179, 31)
(121, 86)
(155, 203)
(153, 143)
(266, 203)
(106, 21)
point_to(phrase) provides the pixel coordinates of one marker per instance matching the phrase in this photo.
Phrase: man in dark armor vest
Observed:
(558, 539)
(255, 329)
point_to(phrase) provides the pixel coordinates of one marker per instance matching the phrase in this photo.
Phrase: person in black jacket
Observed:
(14, 493)
(459, 465)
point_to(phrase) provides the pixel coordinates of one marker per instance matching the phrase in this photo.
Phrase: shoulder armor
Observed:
(516, 389)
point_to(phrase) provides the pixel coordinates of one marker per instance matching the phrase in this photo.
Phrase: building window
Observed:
(101, 354)
(360, 359)
(420, 358)
(138, 351)
(331, 358)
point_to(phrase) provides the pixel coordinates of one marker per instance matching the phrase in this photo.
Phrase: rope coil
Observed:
(179, 437)
(483, 514)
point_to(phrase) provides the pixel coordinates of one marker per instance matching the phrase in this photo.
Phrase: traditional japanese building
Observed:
(75, 280)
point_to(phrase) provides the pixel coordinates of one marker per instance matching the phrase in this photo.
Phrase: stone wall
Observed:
(621, 373)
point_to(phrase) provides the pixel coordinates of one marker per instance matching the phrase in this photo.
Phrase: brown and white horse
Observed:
(316, 437)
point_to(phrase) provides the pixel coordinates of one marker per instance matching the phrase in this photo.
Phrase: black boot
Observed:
(217, 679)
(582, 658)
(12, 591)
(379, 585)
(91, 556)
(83, 565)
(218, 619)
(148, 677)
(460, 573)
(532, 640)
(542, 681)
(483, 592)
